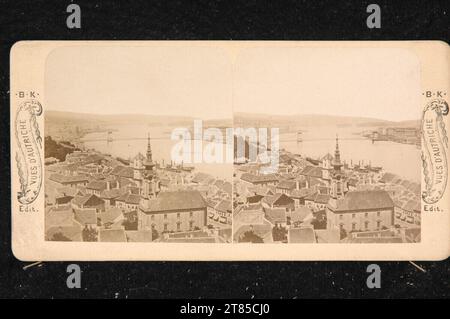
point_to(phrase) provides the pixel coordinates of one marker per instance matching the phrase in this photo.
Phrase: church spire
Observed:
(149, 149)
(337, 155)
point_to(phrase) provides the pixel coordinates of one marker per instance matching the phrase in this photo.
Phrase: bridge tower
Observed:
(109, 138)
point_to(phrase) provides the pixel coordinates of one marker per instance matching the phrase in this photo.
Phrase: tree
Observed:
(155, 234)
(250, 237)
(89, 234)
(59, 236)
(57, 150)
(279, 233)
(319, 224)
(131, 221)
(343, 233)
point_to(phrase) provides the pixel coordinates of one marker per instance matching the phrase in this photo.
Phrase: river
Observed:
(401, 159)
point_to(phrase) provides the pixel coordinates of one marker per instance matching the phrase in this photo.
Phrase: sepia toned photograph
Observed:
(311, 150)
(225, 159)
(109, 171)
(349, 147)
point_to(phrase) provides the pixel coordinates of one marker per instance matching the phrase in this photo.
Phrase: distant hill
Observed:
(114, 118)
(58, 116)
(257, 119)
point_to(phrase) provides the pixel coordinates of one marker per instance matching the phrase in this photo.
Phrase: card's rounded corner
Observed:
(443, 43)
(17, 45)
(21, 254)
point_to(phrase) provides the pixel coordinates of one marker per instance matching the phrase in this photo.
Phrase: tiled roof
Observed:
(200, 177)
(286, 185)
(112, 193)
(363, 200)
(263, 178)
(123, 171)
(250, 217)
(110, 215)
(301, 193)
(301, 235)
(218, 183)
(68, 178)
(328, 235)
(255, 206)
(96, 185)
(322, 198)
(129, 198)
(312, 171)
(224, 206)
(139, 235)
(85, 216)
(272, 199)
(227, 188)
(315, 181)
(59, 218)
(412, 206)
(112, 235)
(89, 200)
(387, 178)
(68, 191)
(179, 200)
(299, 214)
(275, 215)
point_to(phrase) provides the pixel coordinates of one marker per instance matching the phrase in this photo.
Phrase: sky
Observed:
(149, 80)
(206, 82)
(376, 83)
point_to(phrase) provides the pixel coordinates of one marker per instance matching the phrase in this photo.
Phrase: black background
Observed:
(211, 20)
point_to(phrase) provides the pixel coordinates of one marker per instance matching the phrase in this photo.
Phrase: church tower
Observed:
(149, 165)
(337, 165)
(150, 182)
(138, 167)
(338, 188)
(149, 149)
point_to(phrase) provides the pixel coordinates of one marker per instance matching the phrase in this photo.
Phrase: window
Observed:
(165, 216)
(378, 224)
(353, 226)
(366, 215)
(179, 226)
(191, 224)
(165, 227)
(153, 217)
(191, 214)
(178, 215)
(353, 215)
(366, 225)
(378, 214)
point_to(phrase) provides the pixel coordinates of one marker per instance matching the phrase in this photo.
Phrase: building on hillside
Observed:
(224, 210)
(88, 201)
(361, 211)
(173, 211)
(69, 180)
(261, 179)
(278, 200)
